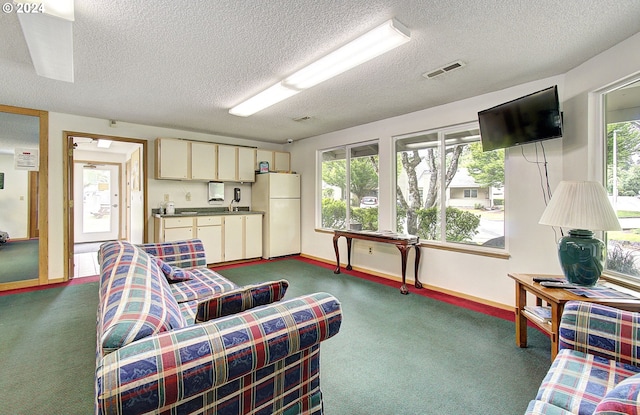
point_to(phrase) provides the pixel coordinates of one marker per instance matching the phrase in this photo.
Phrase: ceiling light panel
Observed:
(377, 41)
(383, 38)
(264, 99)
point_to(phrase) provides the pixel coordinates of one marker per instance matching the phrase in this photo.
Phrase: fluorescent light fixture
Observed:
(264, 99)
(102, 143)
(377, 41)
(383, 38)
(49, 37)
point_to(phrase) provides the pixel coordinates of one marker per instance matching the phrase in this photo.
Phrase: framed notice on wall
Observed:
(1, 180)
(27, 159)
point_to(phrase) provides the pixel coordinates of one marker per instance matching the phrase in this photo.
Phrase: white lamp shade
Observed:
(580, 205)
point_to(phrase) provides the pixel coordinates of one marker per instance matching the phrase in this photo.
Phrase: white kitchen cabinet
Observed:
(263, 155)
(246, 163)
(185, 160)
(281, 161)
(252, 236)
(204, 159)
(209, 231)
(174, 229)
(172, 159)
(227, 163)
(233, 238)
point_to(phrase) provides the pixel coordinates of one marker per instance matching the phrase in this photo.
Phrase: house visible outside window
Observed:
(622, 181)
(349, 183)
(462, 199)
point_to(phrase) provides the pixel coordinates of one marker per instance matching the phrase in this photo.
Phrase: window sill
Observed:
(467, 249)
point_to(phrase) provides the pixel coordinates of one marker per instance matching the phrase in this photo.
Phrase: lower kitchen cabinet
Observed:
(225, 237)
(209, 231)
(233, 238)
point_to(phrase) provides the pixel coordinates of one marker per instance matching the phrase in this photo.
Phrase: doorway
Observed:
(97, 190)
(107, 196)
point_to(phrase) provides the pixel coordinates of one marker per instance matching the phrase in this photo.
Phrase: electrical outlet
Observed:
(166, 197)
(188, 196)
(370, 250)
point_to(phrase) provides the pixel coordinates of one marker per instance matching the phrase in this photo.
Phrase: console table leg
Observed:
(335, 247)
(416, 264)
(349, 254)
(403, 253)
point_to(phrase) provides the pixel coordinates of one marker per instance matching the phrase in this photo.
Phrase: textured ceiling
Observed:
(184, 64)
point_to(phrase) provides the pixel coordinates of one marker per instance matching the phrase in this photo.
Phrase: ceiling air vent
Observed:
(305, 118)
(444, 69)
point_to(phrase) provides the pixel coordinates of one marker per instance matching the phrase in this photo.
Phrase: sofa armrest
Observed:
(185, 254)
(601, 330)
(156, 372)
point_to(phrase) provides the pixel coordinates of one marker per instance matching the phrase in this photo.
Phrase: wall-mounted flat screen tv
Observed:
(530, 118)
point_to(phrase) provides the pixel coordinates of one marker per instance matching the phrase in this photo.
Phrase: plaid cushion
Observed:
(577, 382)
(544, 408)
(245, 298)
(601, 330)
(205, 283)
(135, 301)
(623, 399)
(182, 254)
(261, 361)
(173, 273)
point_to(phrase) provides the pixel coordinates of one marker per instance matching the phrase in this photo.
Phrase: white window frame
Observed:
(347, 148)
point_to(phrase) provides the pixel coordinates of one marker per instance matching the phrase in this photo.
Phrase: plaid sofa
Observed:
(597, 369)
(174, 337)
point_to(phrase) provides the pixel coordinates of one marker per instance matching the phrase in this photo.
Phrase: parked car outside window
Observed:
(369, 202)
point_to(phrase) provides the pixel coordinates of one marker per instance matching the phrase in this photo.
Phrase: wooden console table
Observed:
(402, 241)
(556, 298)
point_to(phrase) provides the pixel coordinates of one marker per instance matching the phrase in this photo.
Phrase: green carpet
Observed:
(411, 355)
(47, 351)
(394, 354)
(19, 261)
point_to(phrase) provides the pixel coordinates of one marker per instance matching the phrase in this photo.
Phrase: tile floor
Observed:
(86, 264)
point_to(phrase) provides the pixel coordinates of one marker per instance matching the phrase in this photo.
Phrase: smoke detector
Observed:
(444, 69)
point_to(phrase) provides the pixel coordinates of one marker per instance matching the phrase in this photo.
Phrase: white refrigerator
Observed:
(278, 196)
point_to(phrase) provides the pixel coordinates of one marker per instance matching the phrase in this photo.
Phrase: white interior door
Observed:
(96, 202)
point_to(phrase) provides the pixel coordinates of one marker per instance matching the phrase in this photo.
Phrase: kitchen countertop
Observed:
(207, 212)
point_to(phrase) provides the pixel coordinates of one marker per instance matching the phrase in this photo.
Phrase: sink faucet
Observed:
(231, 206)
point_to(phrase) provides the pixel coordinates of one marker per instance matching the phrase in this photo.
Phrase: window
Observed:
(349, 178)
(622, 177)
(461, 199)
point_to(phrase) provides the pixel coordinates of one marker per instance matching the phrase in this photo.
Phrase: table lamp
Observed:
(583, 207)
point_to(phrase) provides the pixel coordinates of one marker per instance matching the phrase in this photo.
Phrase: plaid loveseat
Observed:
(176, 338)
(597, 369)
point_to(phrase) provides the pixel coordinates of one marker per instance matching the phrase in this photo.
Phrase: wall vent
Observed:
(444, 69)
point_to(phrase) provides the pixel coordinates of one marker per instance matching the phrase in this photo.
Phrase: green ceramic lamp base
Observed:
(581, 257)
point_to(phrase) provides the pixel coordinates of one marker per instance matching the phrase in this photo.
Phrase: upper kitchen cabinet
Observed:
(185, 160)
(282, 161)
(279, 161)
(235, 164)
(204, 161)
(246, 161)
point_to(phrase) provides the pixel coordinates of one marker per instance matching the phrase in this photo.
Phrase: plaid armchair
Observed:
(597, 367)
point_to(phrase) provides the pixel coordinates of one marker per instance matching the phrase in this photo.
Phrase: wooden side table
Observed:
(556, 298)
(401, 241)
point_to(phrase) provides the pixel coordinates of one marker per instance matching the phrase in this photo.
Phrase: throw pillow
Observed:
(623, 399)
(173, 274)
(242, 299)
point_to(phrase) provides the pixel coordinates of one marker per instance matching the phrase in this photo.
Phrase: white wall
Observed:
(531, 246)
(177, 190)
(14, 199)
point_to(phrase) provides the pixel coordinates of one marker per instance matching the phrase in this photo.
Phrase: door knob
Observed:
(114, 205)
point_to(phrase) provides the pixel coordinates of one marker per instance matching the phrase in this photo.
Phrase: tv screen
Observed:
(534, 117)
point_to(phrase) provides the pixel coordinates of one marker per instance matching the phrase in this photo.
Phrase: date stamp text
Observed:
(25, 8)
